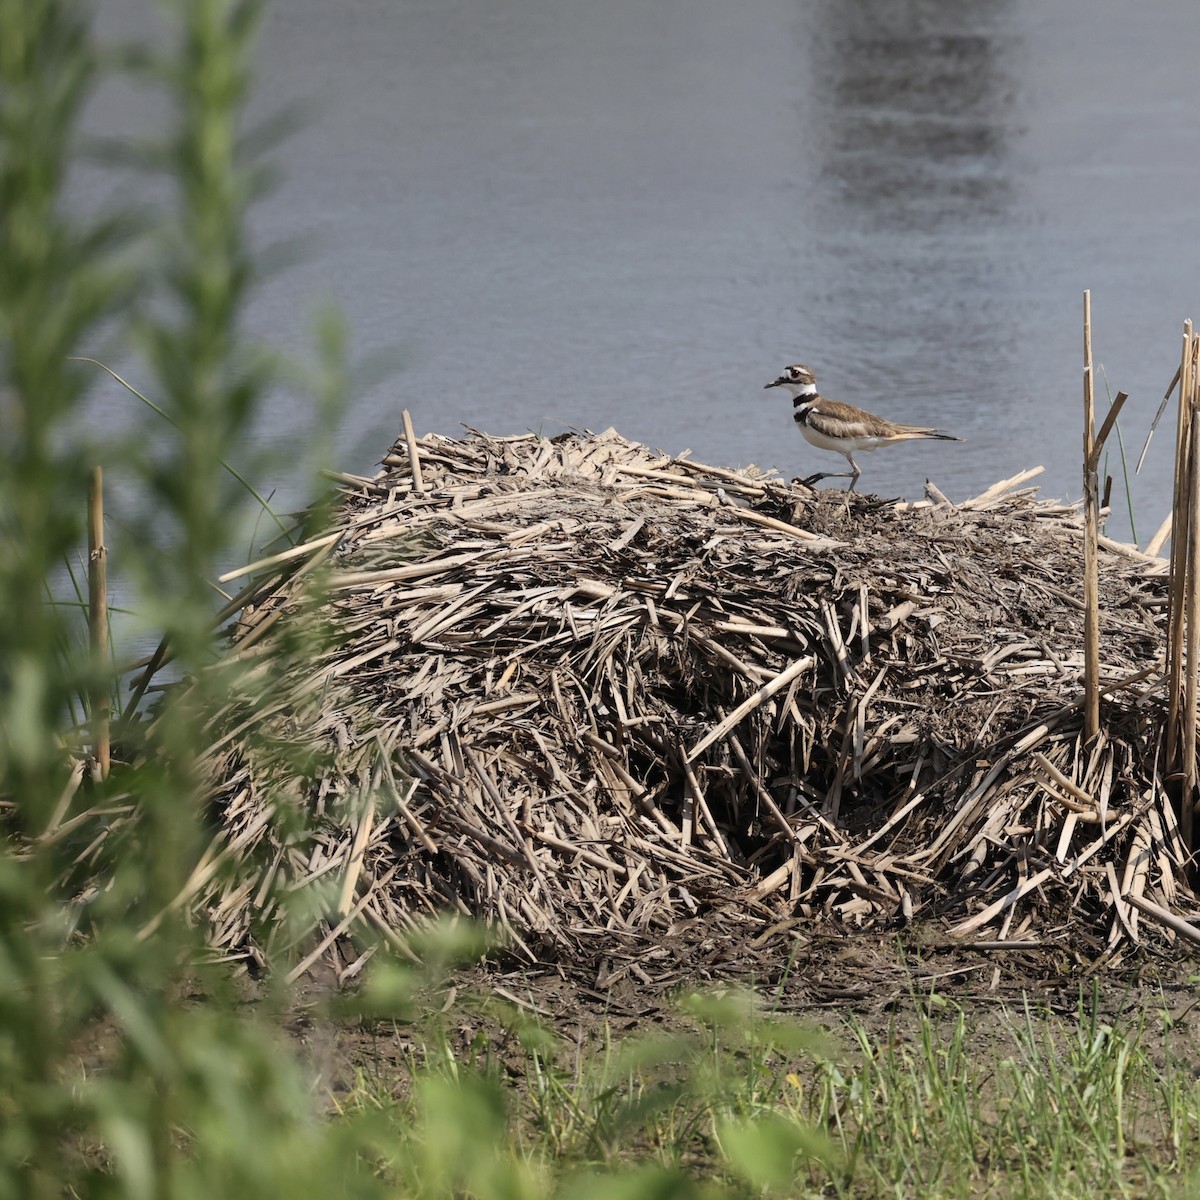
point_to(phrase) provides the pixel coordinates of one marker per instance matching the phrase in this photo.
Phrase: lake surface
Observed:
(569, 214)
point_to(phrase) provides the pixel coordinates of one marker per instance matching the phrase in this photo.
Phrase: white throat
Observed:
(801, 389)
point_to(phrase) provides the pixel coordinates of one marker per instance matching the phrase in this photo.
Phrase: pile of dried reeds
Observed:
(593, 694)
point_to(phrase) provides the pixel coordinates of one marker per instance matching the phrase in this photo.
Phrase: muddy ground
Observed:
(885, 981)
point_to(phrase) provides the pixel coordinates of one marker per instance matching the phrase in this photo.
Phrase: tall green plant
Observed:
(60, 278)
(109, 1083)
(57, 282)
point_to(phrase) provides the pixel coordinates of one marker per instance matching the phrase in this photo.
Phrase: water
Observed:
(567, 214)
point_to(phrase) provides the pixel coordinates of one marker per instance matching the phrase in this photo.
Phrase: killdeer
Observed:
(832, 425)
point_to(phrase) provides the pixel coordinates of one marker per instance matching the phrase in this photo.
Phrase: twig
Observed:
(1159, 540)
(336, 932)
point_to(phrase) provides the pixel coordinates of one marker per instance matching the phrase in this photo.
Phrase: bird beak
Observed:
(775, 384)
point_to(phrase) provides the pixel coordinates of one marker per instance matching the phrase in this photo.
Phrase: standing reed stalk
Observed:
(1091, 541)
(1093, 448)
(98, 619)
(1179, 542)
(1183, 611)
(1192, 585)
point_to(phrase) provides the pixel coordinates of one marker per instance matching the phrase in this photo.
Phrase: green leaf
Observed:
(764, 1150)
(645, 1183)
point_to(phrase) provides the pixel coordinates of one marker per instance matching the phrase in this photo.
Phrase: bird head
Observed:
(798, 379)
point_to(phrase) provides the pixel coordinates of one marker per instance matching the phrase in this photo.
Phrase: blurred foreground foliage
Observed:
(130, 1066)
(112, 1080)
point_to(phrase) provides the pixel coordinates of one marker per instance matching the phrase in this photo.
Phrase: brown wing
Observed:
(846, 421)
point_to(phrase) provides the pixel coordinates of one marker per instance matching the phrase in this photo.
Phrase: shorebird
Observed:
(832, 425)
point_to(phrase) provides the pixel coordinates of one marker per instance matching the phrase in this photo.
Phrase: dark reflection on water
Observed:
(915, 247)
(915, 111)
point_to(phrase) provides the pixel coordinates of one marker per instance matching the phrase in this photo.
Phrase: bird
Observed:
(832, 425)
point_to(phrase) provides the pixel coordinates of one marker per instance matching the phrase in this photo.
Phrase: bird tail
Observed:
(916, 431)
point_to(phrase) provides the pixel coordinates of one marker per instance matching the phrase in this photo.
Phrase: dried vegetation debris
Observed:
(601, 697)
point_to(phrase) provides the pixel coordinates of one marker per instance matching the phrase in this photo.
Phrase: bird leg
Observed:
(855, 472)
(851, 475)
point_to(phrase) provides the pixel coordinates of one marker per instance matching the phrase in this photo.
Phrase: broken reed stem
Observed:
(98, 620)
(283, 556)
(1091, 547)
(1162, 407)
(414, 459)
(1154, 546)
(1184, 928)
(764, 693)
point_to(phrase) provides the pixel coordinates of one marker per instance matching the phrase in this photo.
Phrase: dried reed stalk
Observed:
(1183, 623)
(98, 620)
(1093, 448)
(1192, 593)
(410, 442)
(1180, 540)
(1177, 924)
(1091, 510)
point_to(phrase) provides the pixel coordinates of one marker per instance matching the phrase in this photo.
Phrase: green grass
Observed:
(1014, 1103)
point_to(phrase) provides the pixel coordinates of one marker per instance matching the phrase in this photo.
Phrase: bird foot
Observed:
(810, 480)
